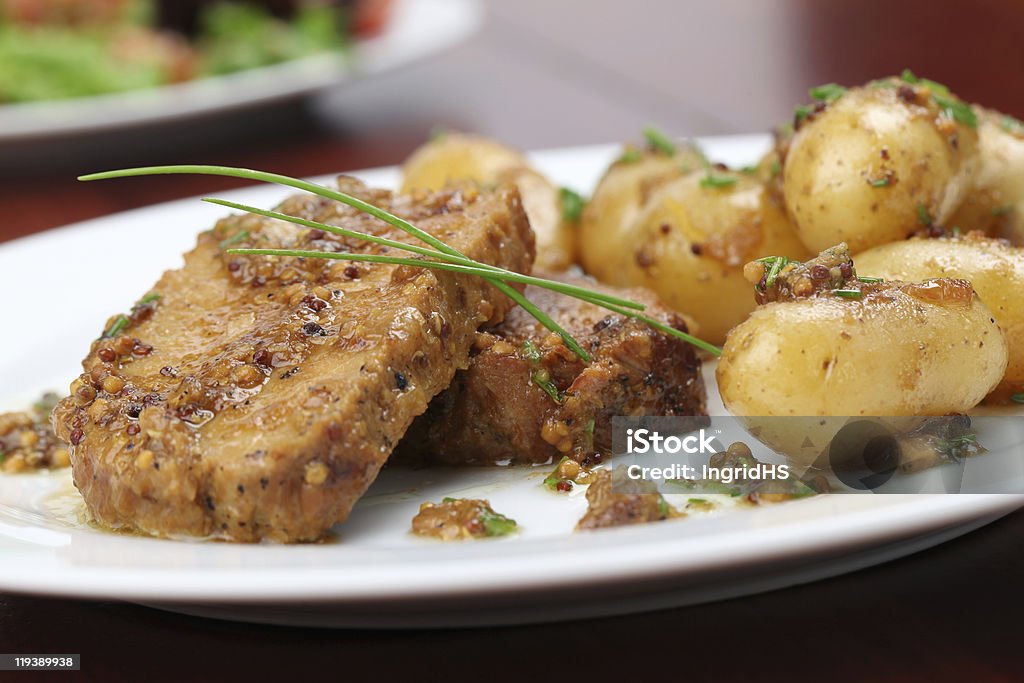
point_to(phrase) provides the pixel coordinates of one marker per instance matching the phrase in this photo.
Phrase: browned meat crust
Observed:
(258, 397)
(498, 409)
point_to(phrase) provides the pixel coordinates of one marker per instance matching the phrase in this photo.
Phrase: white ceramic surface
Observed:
(418, 28)
(374, 573)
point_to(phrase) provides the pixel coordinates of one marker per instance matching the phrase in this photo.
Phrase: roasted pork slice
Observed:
(526, 398)
(257, 397)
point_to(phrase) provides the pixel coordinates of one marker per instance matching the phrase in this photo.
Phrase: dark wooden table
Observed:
(542, 74)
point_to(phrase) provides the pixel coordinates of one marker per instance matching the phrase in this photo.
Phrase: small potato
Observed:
(901, 349)
(877, 164)
(689, 244)
(623, 192)
(994, 268)
(996, 203)
(455, 157)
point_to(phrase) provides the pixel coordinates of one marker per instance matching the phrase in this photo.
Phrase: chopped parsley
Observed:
(802, 112)
(717, 181)
(884, 181)
(659, 142)
(959, 111)
(572, 205)
(531, 352)
(496, 524)
(540, 376)
(830, 92)
(116, 327)
(775, 264)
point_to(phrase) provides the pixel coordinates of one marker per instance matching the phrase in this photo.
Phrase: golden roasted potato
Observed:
(995, 205)
(876, 163)
(994, 268)
(909, 349)
(623, 191)
(455, 157)
(689, 242)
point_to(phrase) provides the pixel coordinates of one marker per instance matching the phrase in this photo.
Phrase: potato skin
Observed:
(876, 135)
(995, 205)
(455, 157)
(994, 268)
(622, 193)
(689, 244)
(892, 352)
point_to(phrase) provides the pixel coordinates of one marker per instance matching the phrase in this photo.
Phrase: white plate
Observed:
(417, 28)
(376, 574)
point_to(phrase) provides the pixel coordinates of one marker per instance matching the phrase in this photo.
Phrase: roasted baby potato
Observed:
(455, 157)
(624, 190)
(995, 204)
(874, 164)
(689, 243)
(852, 348)
(995, 268)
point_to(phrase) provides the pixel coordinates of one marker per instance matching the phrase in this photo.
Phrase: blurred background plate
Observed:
(416, 29)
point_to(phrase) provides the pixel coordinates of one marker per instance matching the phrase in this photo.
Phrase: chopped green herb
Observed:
(749, 170)
(923, 216)
(1017, 398)
(663, 507)
(829, 92)
(847, 293)
(496, 524)
(631, 155)
(775, 265)
(698, 501)
(955, 230)
(960, 112)
(448, 499)
(956, 110)
(116, 327)
(542, 378)
(776, 168)
(234, 239)
(802, 112)
(1012, 125)
(572, 205)
(717, 181)
(1002, 210)
(956, 447)
(659, 142)
(531, 352)
(880, 182)
(148, 299)
(937, 88)
(870, 279)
